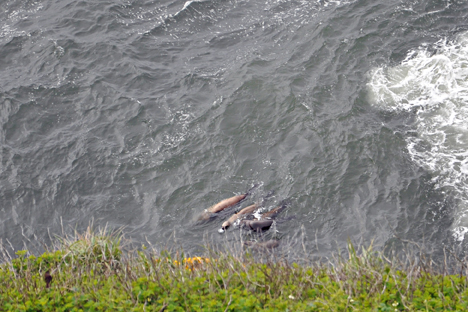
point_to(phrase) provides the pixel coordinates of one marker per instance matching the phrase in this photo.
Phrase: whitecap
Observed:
(434, 87)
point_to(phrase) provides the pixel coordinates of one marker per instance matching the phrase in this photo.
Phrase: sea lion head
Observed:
(225, 225)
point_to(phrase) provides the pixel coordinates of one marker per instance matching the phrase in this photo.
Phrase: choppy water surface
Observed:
(144, 113)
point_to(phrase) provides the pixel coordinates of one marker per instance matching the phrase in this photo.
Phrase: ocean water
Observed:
(432, 86)
(141, 114)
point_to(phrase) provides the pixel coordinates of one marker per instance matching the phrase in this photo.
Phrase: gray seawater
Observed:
(144, 113)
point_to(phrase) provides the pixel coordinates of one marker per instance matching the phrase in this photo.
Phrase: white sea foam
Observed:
(434, 86)
(186, 5)
(6, 31)
(9, 18)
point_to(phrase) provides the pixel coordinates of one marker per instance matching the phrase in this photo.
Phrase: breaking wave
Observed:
(432, 84)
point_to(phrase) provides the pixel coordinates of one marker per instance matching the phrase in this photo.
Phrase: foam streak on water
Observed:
(434, 87)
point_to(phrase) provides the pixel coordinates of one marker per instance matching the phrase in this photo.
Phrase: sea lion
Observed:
(272, 213)
(226, 203)
(257, 225)
(272, 243)
(226, 224)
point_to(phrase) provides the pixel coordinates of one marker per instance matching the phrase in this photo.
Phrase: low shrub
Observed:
(93, 273)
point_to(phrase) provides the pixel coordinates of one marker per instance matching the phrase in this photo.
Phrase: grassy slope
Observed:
(92, 273)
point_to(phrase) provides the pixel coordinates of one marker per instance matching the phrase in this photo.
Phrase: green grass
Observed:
(93, 272)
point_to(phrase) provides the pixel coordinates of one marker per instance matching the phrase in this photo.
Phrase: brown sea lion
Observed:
(272, 243)
(247, 210)
(226, 203)
(273, 213)
(257, 225)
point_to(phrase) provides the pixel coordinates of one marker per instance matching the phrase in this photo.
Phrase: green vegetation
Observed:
(93, 272)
